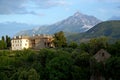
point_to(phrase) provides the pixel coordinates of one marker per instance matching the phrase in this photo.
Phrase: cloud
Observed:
(45, 4)
(23, 6)
(12, 6)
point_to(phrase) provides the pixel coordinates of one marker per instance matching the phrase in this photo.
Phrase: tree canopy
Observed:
(60, 39)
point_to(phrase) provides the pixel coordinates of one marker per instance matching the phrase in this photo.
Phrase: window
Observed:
(25, 44)
(102, 54)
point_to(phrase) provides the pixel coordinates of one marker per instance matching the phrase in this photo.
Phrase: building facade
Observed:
(102, 55)
(20, 42)
(34, 42)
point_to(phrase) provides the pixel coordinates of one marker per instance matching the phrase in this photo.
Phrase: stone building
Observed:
(35, 42)
(100, 57)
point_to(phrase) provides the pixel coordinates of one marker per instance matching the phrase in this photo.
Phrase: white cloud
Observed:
(22, 6)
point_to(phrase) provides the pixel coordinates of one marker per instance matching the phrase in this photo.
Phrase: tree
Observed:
(84, 47)
(45, 56)
(114, 49)
(33, 75)
(97, 69)
(3, 38)
(60, 39)
(59, 68)
(113, 68)
(23, 76)
(3, 76)
(3, 45)
(73, 45)
(97, 44)
(82, 65)
(8, 41)
(14, 76)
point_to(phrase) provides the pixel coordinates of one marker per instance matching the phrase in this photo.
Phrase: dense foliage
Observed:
(5, 42)
(68, 63)
(60, 39)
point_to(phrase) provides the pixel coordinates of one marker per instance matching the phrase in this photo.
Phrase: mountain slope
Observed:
(73, 24)
(110, 29)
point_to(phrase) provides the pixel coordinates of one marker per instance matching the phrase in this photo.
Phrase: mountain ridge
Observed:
(109, 29)
(75, 24)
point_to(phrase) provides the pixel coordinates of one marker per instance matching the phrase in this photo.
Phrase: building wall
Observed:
(35, 42)
(19, 44)
(25, 43)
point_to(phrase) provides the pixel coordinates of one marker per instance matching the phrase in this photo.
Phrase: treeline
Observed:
(5, 42)
(69, 63)
(64, 62)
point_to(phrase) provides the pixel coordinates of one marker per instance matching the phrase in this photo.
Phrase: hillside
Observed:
(110, 29)
(76, 23)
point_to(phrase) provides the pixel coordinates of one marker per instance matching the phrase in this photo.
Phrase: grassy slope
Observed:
(110, 29)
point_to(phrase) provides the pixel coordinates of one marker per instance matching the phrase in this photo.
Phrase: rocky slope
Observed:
(76, 23)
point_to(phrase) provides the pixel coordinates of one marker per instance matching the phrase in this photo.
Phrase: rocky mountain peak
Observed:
(77, 14)
(74, 24)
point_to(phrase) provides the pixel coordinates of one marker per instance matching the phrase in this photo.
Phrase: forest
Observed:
(64, 62)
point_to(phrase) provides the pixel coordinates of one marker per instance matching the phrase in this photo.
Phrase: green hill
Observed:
(110, 29)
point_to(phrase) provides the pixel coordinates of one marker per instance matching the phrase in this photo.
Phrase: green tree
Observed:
(8, 41)
(3, 38)
(14, 76)
(114, 49)
(44, 56)
(59, 68)
(3, 45)
(23, 76)
(113, 68)
(33, 75)
(84, 47)
(3, 76)
(97, 69)
(97, 44)
(73, 45)
(60, 39)
(5, 42)
(82, 64)
(77, 73)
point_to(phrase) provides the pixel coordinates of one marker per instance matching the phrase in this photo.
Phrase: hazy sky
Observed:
(50, 11)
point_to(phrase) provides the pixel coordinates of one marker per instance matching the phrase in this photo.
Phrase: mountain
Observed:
(110, 29)
(74, 24)
(10, 28)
